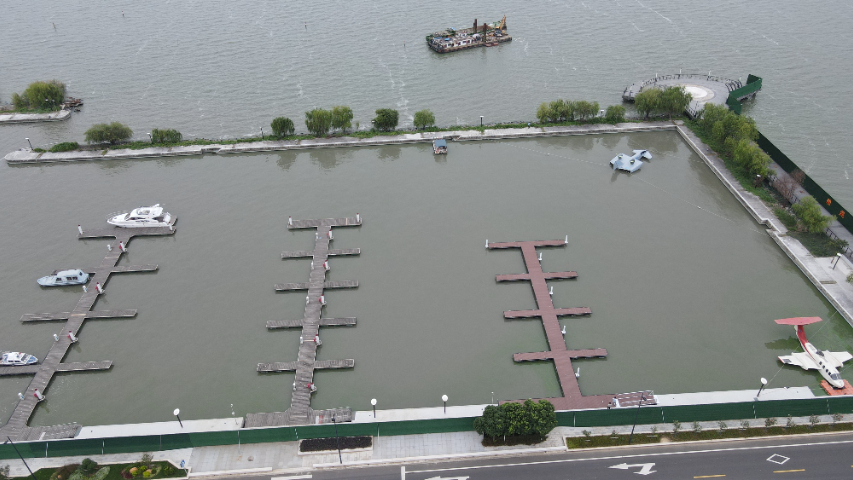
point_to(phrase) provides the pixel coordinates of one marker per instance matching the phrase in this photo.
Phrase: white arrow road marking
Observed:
(645, 470)
(448, 478)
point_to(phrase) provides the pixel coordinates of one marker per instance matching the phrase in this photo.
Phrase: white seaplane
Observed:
(630, 164)
(152, 216)
(813, 358)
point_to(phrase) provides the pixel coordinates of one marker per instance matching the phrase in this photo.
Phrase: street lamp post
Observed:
(9, 440)
(176, 412)
(28, 141)
(337, 441)
(150, 137)
(373, 402)
(444, 399)
(481, 120)
(763, 384)
(262, 133)
(636, 414)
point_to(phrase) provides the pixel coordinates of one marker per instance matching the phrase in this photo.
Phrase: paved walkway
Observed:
(28, 156)
(34, 117)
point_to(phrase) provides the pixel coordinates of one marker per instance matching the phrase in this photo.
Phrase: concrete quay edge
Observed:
(840, 297)
(28, 156)
(12, 118)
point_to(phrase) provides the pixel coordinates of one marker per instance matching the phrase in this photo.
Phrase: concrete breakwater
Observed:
(35, 117)
(28, 156)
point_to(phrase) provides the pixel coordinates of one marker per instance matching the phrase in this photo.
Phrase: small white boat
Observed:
(152, 216)
(439, 147)
(17, 359)
(64, 277)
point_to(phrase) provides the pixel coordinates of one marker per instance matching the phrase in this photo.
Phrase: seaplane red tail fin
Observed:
(798, 322)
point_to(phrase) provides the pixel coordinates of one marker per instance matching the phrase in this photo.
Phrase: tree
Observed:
(318, 121)
(342, 118)
(543, 418)
(492, 423)
(788, 184)
(88, 466)
(41, 95)
(282, 127)
(108, 133)
(647, 101)
(711, 114)
(732, 128)
(424, 119)
(615, 114)
(169, 135)
(586, 109)
(809, 212)
(674, 100)
(386, 119)
(517, 419)
(559, 111)
(543, 113)
(749, 157)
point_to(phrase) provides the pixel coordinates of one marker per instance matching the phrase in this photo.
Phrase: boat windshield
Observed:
(835, 376)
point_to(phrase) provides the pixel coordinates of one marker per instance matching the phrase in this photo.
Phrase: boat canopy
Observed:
(440, 143)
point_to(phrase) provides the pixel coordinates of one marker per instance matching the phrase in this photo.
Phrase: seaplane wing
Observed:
(642, 154)
(837, 359)
(803, 360)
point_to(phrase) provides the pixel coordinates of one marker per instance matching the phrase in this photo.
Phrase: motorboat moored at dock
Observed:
(439, 147)
(17, 359)
(478, 35)
(64, 277)
(152, 216)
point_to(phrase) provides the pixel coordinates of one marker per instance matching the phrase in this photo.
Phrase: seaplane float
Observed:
(64, 277)
(152, 216)
(812, 358)
(630, 163)
(17, 359)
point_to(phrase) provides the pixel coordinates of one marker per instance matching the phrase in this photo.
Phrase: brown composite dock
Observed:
(561, 356)
(52, 363)
(300, 411)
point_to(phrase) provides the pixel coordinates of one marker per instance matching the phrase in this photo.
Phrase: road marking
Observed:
(789, 471)
(645, 468)
(448, 478)
(708, 476)
(780, 460)
(639, 455)
(296, 477)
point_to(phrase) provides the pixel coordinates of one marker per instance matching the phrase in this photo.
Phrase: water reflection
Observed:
(286, 159)
(328, 158)
(790, 344)
(611, 141)
(390, 152)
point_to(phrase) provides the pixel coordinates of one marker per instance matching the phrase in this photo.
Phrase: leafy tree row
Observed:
(736, 135)
(320, 122)
(40, 96)
(670, 100)
(529, 418)
(566, 110)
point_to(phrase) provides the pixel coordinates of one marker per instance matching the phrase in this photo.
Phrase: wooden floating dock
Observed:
(310, 253)
(92, 314)
(300, 411)
(61, 368)
(51, 364)
(286, 287)
(126, 269)
(561, 356)
(324, 322)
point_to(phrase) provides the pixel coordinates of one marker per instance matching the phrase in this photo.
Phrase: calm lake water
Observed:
(683, 298)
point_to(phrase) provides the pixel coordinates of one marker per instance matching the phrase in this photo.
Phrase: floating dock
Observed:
(16, 428)
(300, 411)
(572, 397)
(479, 35)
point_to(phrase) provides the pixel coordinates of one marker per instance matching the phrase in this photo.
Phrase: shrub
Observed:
(88, 466)
(697, 428)
(318, 121)
(744, 424)
(342, 118)
(169, 135)
(808, 211)
(723, 426)
(101, 474)
(676, 426)
(64, 147)
(615, 114)
(790, 422)
(386, 119)
(282, 127)
(850, 278)
(108, 133)
(39, 150)
(146, 474)
(424, 119)
(814, 420)
(837, 417)
(332, 443)
(4, 472)
(41, 95)
(516, 419)
(769, 422)
(168, 470)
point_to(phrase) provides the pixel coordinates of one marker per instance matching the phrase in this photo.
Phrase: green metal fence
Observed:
(580, 418)
(753, 84)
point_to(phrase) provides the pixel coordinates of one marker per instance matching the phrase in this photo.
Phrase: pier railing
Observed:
(579, 418)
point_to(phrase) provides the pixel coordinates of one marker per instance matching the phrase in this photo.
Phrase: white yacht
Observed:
(17, 359)
(64, 277)
(152, 216)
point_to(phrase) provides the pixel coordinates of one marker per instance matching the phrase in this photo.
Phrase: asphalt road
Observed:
(814, 456)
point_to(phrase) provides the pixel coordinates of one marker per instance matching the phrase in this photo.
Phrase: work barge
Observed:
(479, 35)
